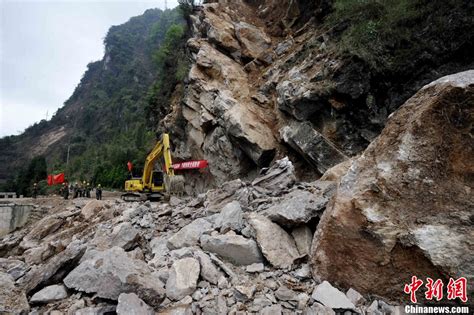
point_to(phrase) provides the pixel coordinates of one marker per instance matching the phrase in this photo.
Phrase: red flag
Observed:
(190, 165)
(58, 178)
(50, 180)
(130, 166)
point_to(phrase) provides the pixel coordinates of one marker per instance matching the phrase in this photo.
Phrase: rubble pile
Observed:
(237, 249)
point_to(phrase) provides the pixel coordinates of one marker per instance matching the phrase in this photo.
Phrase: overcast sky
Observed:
(45, 48)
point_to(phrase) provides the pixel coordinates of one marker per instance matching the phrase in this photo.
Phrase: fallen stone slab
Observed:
(303, 238)
(92, 208)
(244, 292)
(189, 235)
(160, 250)
(123, 235)
(300, 206)
(209, 271)
(331, 297)
(254, 268)
(42, 273)
(285, 294)
(234, 248)
(277, 246)
(278, 177)
(217, 198)
(15, 268)
(230, 218)
(131, 304)
(12, 299)
(355, 297)
(183, 277)
(319, 309)
(312, 146)
(112, 272)
(49, 294)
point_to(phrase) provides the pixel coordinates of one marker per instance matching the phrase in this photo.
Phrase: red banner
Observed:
(56, 179)
(130, 166)
(190, 165)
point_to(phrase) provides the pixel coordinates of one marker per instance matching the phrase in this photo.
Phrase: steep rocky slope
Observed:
(273, 78)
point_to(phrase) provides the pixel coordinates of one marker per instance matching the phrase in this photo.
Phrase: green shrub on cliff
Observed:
(392, 35)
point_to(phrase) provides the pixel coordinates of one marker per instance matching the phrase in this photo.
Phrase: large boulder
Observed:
(123, 235)
(300, 206)
(220, 30)
(405, 206)
(92, 208)
(190, 234)
(230, 218)
(254, 42)
(235, 248)
(12, 299)
(112, 272)
(183, 278)
(276, 244)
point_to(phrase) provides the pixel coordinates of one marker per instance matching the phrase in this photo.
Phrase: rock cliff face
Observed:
(405, 206)
(267, 80)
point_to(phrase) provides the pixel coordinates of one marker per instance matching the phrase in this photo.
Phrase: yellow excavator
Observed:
(155, 183)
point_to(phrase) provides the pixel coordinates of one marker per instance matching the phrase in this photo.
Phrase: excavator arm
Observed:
(162, 148)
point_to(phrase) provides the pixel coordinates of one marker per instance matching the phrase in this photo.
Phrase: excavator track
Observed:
(131, 197)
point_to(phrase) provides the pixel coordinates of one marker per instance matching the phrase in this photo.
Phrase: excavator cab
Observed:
(158, 178)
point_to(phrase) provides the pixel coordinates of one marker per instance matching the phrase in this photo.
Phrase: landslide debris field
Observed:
(340, 147)
(216, 253)
(346, 243)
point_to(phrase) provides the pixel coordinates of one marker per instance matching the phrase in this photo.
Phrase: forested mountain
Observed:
(103, 124)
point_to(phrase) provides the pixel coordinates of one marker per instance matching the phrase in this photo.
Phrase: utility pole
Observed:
(67, 158)
(166, 4)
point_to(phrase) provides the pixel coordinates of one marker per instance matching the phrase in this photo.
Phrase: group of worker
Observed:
(84, 190)
(78, 190)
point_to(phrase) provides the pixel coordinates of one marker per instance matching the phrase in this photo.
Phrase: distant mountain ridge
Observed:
(106, 112)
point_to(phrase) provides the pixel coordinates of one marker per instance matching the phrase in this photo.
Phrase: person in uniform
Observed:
(66, 191)
(35, 190)
(98, 192)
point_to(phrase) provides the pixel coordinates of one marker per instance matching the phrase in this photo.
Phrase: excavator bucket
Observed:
(175, 185)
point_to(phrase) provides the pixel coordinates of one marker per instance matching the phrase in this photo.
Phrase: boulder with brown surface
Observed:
(405, 206)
